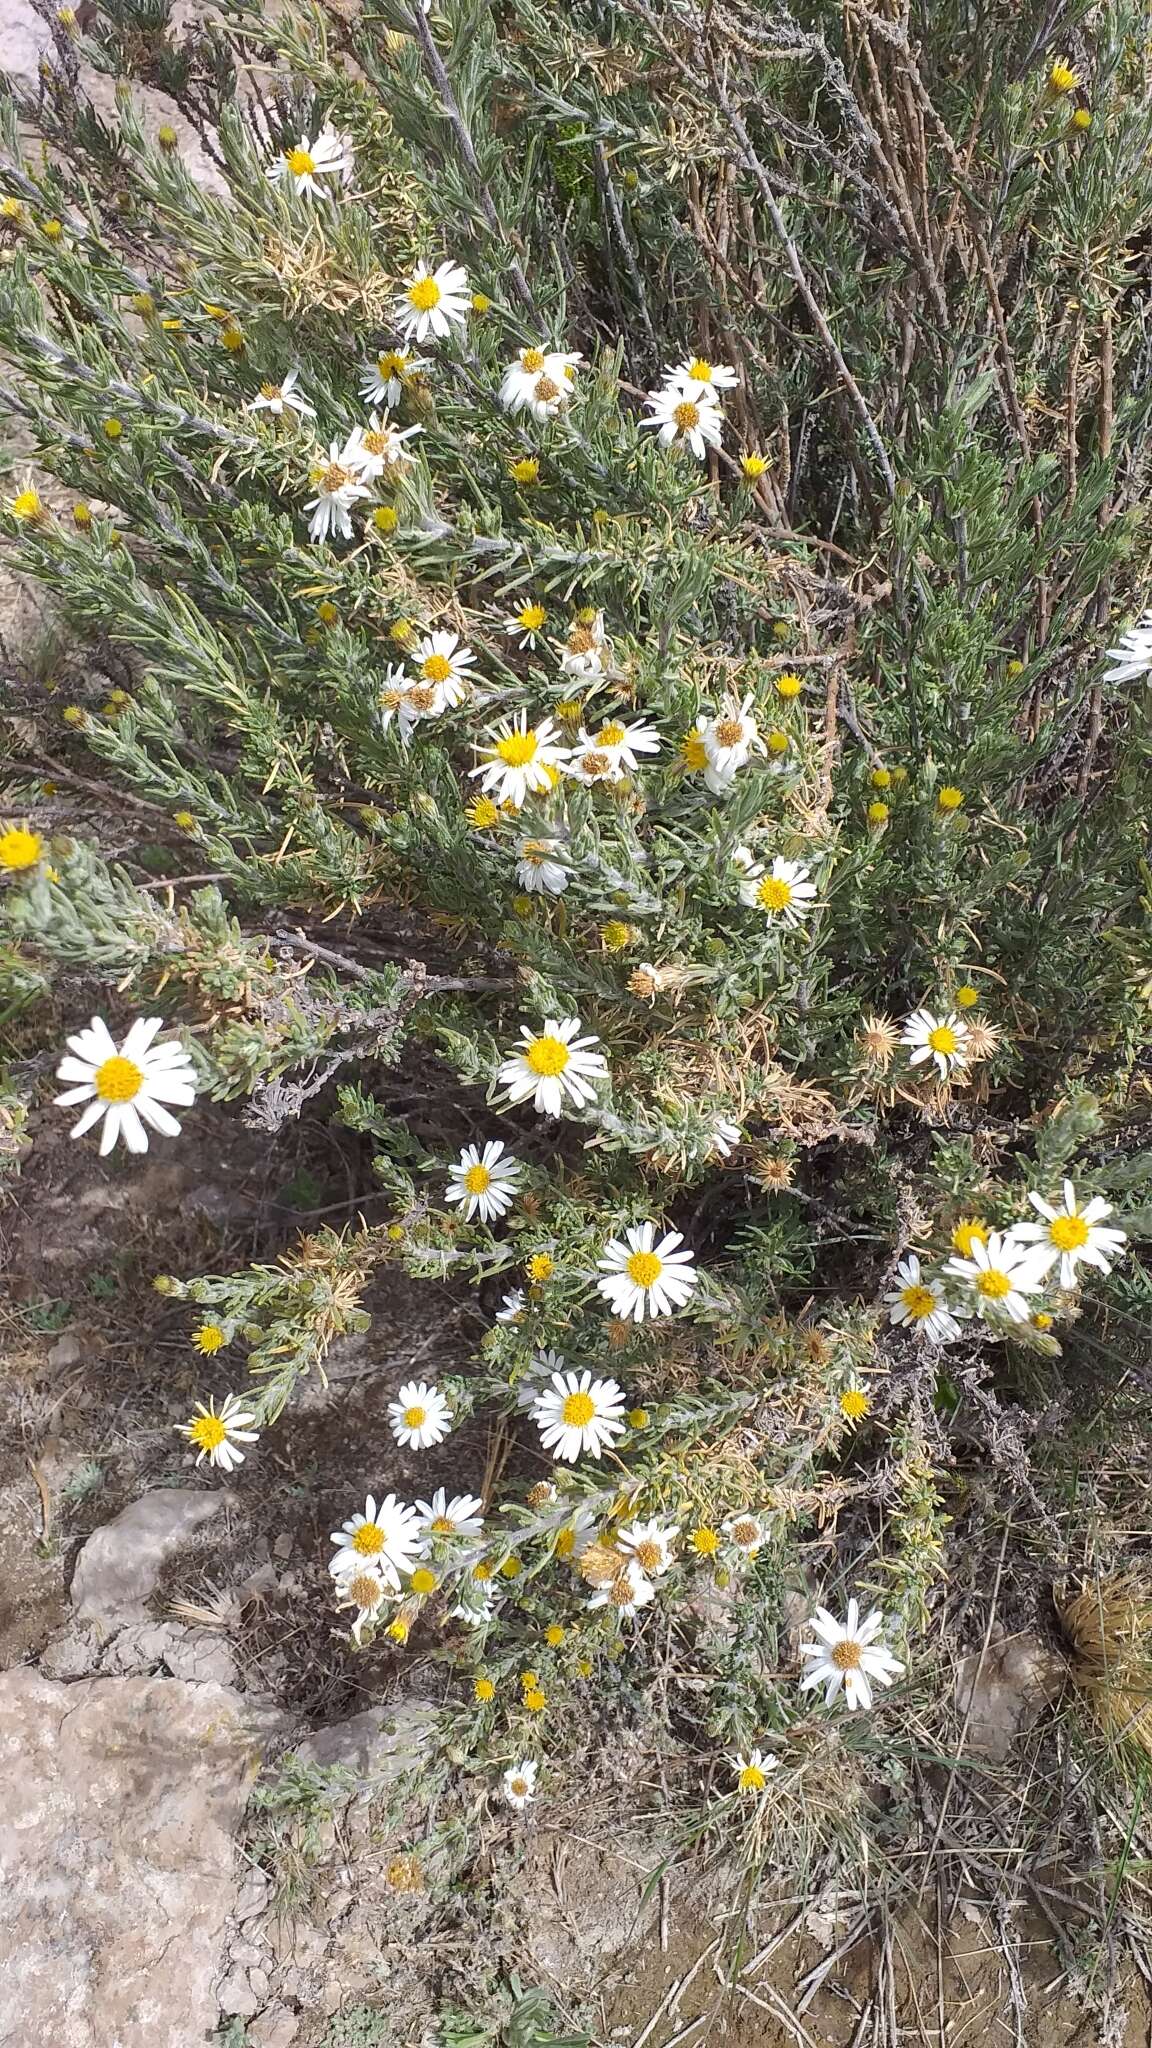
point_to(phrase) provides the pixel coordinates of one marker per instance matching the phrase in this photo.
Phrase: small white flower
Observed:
(643, 1278)
(697, 420)
(519, 1783)
(585, 653)
(485, 1181)
(744, 1532)
(520, 760)
(329, 156)
(649, 1545)
(274, 397)
(538, 869)
(432, 302)
(848, 1656)
(387, 376)
(731, 737)
(443, 663)
(753, 1769)
(784, 893)
(921, 1304)
(337, 489)
(624, 744)
(626, 1593)
(540, 1368)
(442, 1519)
(386, 1537)
(590, 763)
(526, 625)
(402, 699)
(364, 1588)
(554, 1066)
(1132, 657)
(725, 1136)
(477, 1606)
(1071, 1235)
(695, 374)
(127, 1086)
(942, 1039)
(999, 1276)
(538, 382)
(217, 1431)
(370, 450)
(514, 1305)
(419, 1416)
(576, 1413)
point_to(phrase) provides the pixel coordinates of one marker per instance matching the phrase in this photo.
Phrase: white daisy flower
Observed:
(695, 374)
(590, 763)
(1132, 657)
(942, 1039)
(519, 1783)
(337, 489)
(485, 1181)
(217, 1431)
(432, 302)
(379, 446)
(513, 1306)
(848, 1656)
(1071, 1235)
(731, 737)
(625, 1594)
(784, 893)
(585, 652)
(419, 1416)
(364, 1588)
(442, 660)
(274, 397)
(753, 1769)
(538, 868)
(697, 420)
(441, 1519)
(128, 1086)
(920, 1303)
(520, 760)
(999, 1276)
(387, 376)
(405, 701)
(386, 1537)
(744, 1532)
(576, 1413)
(725, 1136)
(526, 625)
(329, 156)
(625, 743)
(573, 1539)
(649, 1545)
(477, 1607)
(554, 1066)
(539, 382)
(643, 1278)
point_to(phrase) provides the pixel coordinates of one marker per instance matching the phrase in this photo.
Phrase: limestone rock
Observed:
(376, 1746)
(118, 1569)
(275, 2028)
(1003, 1693)
(119, 1798)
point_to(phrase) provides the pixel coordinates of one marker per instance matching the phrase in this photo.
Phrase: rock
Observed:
(258, 1979)
(235, 1996)
(143, 1646)
(203, 1656)
(117, 1864)
(118, 1569)
(275, 2028)
(72, 1654)
(1005, 1693)
(70, 1347)
(378, 1745)
(252, 1897)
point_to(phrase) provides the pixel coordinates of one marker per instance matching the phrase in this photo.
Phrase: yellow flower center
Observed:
(519, 1788)
(966, 1234)
(854, 1404)
(1068, 1233)
(424, 294)
(693, 752)
(19, 848)
(368, 1540)
(532, 359)
(705, 1542)
(540, 1267)
(644, 1268)
(778, 742)
(365, 1591)
(208, 1432)
(620, 1593)
(752, 1779)
(565, 1542)
(967, 996)
(648, 1555)
(378, 441)
(942, 1039)
(578, 1410)
(423, 1581)
(773, 894)
(686, 415)
(482, 814)
(517, 749)
(531, 618)
(919, 1302)
(699, 371)
(415, 1418)
(950, 798)
(300, 163)
(333, 479)
(436, 669)
(546, 390)
(526, 470)
(728, 732)
(547, 1055)
(611, 735)
(535, 1699)
(393, 365)
(789, 684)
(27, 505)
(118, 1079)
(483, 1691)
(442, 1525)
(209, 1338)
(993, 1284)
(595, 764)
(477, 1180)
(270, 391)
(846, 1656)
